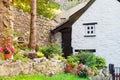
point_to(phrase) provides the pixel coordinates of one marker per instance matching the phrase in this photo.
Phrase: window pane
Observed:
(88, 27)
(92, 27)
(88, 32)
(92, 32)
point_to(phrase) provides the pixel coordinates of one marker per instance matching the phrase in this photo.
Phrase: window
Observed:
(89, 29)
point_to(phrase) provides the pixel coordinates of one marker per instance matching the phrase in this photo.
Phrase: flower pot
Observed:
(8, 56)
(69, 68)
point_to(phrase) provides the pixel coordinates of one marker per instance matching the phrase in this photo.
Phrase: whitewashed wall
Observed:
(58, 38)
(107, 41)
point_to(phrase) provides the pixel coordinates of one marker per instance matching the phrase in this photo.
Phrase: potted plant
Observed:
(6, 48)
(7, 53)
(71, 64)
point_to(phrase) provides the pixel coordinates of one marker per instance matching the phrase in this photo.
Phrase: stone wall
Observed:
(103, 75)
(6, 18)
(37, 66)
(22, 24)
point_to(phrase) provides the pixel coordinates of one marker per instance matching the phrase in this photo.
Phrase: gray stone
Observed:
(22, 23)
(103, 75)
(45, 67)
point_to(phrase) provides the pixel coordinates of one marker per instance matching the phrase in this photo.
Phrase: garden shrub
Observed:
(95, 69)
(83, 55)
(100, 62)
(91, 60)
(72, 60)
(51, 50)
(82, 70)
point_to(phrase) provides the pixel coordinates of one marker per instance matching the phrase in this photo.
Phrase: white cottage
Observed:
(97, 28)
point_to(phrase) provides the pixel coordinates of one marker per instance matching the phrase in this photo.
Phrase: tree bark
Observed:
(32, 38)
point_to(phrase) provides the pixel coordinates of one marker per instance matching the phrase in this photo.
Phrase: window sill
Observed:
(89, 35)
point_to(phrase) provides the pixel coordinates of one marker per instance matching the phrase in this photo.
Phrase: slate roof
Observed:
(67, 23)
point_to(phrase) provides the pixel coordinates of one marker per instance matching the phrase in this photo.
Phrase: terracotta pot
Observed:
(69, 68)
(8, 56)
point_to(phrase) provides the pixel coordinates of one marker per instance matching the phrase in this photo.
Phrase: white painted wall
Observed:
(58, 37)
(107, 41)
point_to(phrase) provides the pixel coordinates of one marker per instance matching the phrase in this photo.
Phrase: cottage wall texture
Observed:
(107, 40)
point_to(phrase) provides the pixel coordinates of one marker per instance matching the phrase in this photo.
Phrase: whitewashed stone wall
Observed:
(58, 38)
(107, 41)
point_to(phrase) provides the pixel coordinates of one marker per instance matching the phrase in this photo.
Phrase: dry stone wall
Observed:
(37, 66)
(22, 24)
(103, 75)
(6, 16)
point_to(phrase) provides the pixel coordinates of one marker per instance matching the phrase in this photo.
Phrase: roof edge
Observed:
(73, 17)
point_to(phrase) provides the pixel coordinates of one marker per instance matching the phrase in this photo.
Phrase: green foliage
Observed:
(72, 60)
(100, 62)
(95, 69)
(40, 54)
(51, 50)
(90, 59)
(1, 56)
(44, 7)
(83, 55)
(47, 9)
(22, 4)
(41, 77)
(20, 56)
(70, 5)
(53, 5)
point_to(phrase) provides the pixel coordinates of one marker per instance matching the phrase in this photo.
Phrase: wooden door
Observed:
(66, 42)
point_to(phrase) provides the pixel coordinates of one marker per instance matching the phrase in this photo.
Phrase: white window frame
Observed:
(90, 29)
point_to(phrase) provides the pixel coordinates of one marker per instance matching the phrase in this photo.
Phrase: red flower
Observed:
(76, 72)
(7, 45)
(80, 65)
(1, 49)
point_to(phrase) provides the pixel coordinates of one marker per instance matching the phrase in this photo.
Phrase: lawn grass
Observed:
(41, 77)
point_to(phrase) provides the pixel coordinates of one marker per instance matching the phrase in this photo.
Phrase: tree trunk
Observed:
(32, 38)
